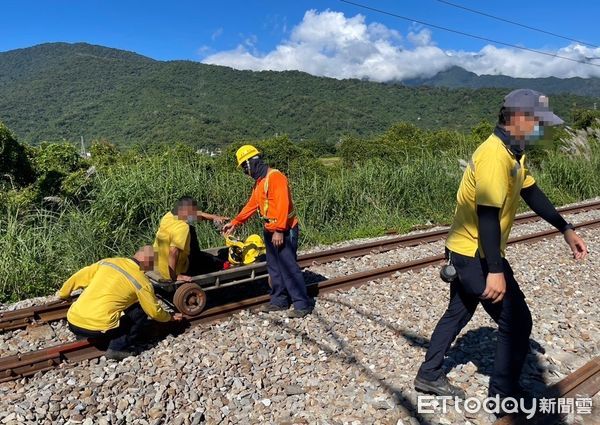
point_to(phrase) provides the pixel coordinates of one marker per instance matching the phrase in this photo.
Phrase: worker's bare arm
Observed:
(212, 217)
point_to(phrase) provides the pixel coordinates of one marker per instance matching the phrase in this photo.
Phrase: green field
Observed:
(330, 161)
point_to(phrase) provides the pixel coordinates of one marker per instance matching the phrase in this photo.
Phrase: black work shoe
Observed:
(269, 308)
(524, 399)
(298, 314)
(440, 387)
(118, 355)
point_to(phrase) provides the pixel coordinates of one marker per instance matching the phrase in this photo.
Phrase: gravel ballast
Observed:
(351, 362)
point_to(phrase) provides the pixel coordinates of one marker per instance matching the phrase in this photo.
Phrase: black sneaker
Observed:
(440, 387)
(118, 355)
(269, 308)
(298, 314)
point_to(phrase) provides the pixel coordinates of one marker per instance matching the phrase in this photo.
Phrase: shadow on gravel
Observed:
(155, 331)
(237, 293)
(344, 353)
(476, 345)
(479, 347)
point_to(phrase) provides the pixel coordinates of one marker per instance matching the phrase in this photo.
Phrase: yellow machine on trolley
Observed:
(245, 252)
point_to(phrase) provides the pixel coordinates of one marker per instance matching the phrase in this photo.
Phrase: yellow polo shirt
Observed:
(110, 287)
(493, 178)
(172, 232)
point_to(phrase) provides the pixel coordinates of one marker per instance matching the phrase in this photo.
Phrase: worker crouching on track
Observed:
(488, 197)
(116, 301)
(272, 199)
(179, 255)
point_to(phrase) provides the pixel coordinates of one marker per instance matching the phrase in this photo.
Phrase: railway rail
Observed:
(57, 310)
(584, 382)
(28, 364)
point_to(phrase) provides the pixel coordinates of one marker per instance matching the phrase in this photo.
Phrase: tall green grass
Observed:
(40, 248)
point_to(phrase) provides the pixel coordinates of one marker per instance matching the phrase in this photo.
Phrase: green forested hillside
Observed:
(65, 91)
(458, 77)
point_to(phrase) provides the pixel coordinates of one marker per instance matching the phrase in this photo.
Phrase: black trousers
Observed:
(511, 314)
(124, 336)
(201, 262)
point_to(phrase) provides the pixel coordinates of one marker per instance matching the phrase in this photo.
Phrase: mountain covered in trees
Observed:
(457, 77)
(61, 91)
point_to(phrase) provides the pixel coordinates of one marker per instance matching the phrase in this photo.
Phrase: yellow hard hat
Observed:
(245, 153)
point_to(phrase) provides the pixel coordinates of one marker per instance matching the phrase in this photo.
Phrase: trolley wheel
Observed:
(189, 299)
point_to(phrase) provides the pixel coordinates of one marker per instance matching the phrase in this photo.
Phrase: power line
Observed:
(515, 23)
(489, 40)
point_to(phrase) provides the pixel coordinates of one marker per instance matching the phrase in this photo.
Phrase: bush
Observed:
(103, 153)
(355, 151)
(318, 147)
(60, 171)
(482, 130)
(62, 158)
(279, 152)
(404, 142)
(15, 166)
(586, 118)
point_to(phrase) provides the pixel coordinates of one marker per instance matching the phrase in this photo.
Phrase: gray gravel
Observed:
(352, 361)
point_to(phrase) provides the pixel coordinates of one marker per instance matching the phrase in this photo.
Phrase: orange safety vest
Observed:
(266, 204)
(259, 203)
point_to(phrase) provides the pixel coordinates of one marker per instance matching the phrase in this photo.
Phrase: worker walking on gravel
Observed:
(272, 199)
(116, 301)
(176, 242)
(487, 200)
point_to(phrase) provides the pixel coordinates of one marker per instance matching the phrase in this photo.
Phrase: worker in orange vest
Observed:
(272, 199)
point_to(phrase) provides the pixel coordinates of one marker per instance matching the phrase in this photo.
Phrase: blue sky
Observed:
(201, 30)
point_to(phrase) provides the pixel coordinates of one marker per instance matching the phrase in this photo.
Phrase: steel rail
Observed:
(414, 239)
(57, 310)
(52, 311)
(584, 382)
(23, 365)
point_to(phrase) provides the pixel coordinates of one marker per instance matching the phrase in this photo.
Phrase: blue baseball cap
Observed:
(536, 103)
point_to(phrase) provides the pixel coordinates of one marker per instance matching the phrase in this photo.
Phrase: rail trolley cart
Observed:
(190, 298)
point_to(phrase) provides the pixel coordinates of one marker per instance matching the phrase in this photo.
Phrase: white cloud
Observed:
(330, 44)
(420, 38)
(216, 34)
(251, 40)
(276, 24)
(203, 50)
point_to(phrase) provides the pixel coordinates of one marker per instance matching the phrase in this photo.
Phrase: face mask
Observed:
(246, 168)
(536, 134)
(191, 219)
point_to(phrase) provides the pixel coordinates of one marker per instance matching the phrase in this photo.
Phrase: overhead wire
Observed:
(489, 40)
(498, 18)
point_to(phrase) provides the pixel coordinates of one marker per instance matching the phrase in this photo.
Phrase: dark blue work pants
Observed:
(511, 314)
(124, 336)
(287, 281)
